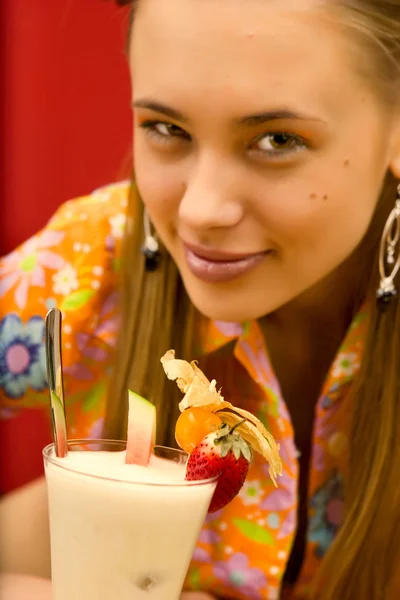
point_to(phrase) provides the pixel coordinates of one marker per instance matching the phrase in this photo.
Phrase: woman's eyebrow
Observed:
(247, 121)
(160, 108)
(275, 115)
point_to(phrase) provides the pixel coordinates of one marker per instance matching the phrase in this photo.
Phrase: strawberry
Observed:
(223, 452)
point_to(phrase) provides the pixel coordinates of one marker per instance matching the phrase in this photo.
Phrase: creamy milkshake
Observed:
(121, 531)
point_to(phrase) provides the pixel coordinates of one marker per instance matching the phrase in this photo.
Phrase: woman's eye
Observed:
(278, 143)
(164, 131)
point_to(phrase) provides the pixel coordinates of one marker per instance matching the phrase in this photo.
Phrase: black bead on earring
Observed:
(150, 248)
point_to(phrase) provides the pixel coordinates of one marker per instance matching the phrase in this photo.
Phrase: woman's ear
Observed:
(394, 164)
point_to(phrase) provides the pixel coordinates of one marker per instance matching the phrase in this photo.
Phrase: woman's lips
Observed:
(219, 267)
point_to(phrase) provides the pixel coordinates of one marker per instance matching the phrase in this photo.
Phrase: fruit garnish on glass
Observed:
(218, 436)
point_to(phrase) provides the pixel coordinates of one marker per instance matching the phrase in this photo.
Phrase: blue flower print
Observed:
(22, 356)
(328, 509)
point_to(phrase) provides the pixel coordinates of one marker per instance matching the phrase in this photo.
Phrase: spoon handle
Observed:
(55, 380)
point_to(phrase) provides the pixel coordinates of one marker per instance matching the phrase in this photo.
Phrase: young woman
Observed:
(267, 155)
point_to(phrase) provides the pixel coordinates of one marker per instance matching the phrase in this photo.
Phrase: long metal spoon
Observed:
(55, 380)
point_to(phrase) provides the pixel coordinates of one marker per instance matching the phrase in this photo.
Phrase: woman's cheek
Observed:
(294, 215)
(157, 186)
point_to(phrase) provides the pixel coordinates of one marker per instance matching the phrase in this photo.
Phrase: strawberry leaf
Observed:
(245, 450)
(225, 449)
(222, 432)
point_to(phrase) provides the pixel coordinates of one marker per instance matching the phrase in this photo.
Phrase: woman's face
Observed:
(260, 150)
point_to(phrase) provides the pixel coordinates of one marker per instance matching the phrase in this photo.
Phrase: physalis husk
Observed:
(199, 391)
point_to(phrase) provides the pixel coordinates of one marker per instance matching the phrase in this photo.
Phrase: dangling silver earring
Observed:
(150, 248)
(389, 255)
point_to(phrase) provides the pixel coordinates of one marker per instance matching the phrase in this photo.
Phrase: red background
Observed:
(66, 129)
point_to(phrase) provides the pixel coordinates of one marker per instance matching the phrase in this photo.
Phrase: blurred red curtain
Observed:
(65, 130)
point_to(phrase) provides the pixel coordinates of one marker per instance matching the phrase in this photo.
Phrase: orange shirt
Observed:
(73, 264)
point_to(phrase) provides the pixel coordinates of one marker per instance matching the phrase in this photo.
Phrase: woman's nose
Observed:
(210, 199)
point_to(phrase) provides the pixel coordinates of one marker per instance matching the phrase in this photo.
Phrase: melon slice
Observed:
(141, 430)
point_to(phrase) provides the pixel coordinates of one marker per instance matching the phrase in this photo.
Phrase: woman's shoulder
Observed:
(69, 253)
(71, 264)
(104, 207)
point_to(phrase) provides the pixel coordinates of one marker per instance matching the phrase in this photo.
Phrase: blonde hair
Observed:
(157, 314)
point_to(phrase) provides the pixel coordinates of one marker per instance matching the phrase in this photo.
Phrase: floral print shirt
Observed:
(73, 264)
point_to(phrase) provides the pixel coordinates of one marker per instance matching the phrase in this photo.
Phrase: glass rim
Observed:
(56, 461)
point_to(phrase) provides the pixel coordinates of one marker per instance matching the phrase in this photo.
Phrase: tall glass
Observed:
(115, 538)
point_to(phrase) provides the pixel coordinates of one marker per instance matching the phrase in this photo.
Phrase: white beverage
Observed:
(118, 531)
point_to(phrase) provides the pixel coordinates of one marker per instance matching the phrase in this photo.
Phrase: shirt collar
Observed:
(251, 350)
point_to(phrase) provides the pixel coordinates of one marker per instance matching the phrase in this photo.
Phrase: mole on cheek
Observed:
(346, 162)
(325, 197)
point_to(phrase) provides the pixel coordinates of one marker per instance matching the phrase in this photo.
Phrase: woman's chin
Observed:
(226, 306)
